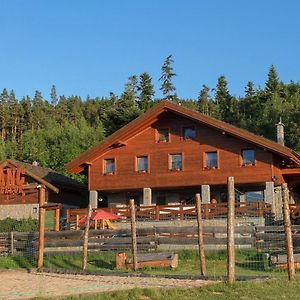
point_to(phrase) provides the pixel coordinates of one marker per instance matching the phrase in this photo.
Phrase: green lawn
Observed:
(276, 286)
(248, 263)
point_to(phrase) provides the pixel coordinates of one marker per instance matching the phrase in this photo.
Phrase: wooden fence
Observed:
(263, 238)
(181, 212)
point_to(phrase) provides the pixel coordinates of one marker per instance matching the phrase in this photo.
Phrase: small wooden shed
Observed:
(19, 184)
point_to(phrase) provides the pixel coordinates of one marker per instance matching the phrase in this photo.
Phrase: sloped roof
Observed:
(120, 136)
(50, 178)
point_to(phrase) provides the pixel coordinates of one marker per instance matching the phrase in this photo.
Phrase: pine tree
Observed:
(38, 110)
(53, 96)
(204, 100)
(167, 86)
(224, 100)
(3, 113)
(146, 90)
(249, 89)
(13, 113)
(272, 80)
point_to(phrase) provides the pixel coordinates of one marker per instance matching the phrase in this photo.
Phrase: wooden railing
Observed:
(181, 212)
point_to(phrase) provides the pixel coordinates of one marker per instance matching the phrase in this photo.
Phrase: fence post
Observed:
(42, 200)
(157, 210)
(57, 216)
(86, 238)
(12, 243)
(230, 231)
(200, 236)
(133, 235)
(288, 232)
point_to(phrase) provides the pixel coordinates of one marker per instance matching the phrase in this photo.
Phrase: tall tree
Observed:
(167, 86)
(38, 110)
(224, 100)
(13, 116)
(53, 96)
(204, 100)
(249, 89)
(146, 90)
(4, 98)
(272, 80)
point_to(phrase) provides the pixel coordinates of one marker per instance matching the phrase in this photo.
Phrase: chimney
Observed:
(280, 132)
(35, 163)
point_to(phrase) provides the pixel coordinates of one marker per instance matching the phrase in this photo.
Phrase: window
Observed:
(109, 166)
(189, 133)
(211, 160)
(248, 157)
(142, 164)
(175, 163)
(163, 135)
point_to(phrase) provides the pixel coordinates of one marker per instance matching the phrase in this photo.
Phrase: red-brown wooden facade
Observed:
(140, 138)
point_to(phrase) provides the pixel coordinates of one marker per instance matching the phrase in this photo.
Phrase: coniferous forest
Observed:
(53, 129)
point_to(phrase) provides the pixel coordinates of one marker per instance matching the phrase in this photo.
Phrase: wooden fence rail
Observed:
(264, 238)
(181, 212)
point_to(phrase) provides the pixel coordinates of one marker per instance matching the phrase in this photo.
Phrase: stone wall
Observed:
(19, 211)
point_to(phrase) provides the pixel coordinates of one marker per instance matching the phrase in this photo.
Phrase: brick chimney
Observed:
(280, 132)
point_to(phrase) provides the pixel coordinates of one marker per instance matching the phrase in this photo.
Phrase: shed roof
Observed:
(49, 177)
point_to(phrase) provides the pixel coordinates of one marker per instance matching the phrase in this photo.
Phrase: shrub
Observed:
(10, 224)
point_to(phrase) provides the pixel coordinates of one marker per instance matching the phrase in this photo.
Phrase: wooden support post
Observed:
(86, 238)
(57, 217)
(68, 216)
(133, 235)
(230, 231)
(77, 222)
(12, 246)
(288, 232)
(42, 212)
(200, 236)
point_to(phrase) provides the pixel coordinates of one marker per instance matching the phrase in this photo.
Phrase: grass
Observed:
(248, 263)
(272, 289)
(49, 219)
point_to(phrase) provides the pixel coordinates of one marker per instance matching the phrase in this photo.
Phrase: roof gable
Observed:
(121, 135)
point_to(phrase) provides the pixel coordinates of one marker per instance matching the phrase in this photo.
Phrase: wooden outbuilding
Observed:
(19, 183)
(170, 153)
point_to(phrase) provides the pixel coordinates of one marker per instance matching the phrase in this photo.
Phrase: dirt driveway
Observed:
(17, 284)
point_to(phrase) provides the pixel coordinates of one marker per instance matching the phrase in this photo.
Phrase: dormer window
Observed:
(248, 158)
(163, 135)
(189, 133)
(109, 166)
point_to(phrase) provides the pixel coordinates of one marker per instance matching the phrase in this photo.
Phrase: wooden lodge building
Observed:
(19, 183)
(170, 153)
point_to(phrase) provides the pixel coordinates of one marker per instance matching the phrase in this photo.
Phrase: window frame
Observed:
(157, 135)
(205, 167)
(104, 166)
(170, 161)
(242, 159)
(188, 138)
(137, 164)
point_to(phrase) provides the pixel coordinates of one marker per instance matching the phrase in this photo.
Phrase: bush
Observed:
(9, 224)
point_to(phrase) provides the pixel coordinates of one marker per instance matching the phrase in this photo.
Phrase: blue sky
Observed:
(91, 47)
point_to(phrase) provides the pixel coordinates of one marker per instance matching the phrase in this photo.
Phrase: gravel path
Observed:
(17, 284)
